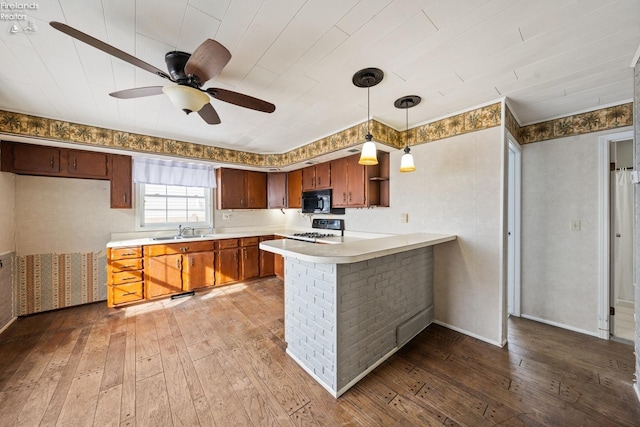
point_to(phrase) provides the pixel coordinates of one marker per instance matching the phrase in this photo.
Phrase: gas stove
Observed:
(323, 224)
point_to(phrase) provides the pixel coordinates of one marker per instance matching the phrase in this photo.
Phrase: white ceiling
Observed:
(551, 58)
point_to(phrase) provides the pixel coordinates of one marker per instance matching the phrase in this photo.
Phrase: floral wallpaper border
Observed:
(593, 121)
(469, 121)
(58, 130)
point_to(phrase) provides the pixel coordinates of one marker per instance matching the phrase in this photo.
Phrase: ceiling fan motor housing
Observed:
(176, 62)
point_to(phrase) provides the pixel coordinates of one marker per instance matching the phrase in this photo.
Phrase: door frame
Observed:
(604, 229)
(514, 287)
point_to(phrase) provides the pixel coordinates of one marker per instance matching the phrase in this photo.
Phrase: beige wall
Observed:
(560, 266)
(63, 215)
(7, 212)
(456, 189)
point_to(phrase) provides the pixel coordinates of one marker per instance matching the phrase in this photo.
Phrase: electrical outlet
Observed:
(404, 218)
(226, 216)
(575, 225)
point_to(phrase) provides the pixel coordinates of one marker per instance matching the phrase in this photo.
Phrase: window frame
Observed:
(139, 212)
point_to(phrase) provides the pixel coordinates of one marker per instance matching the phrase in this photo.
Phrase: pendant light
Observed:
(366, 78)
(406, 102)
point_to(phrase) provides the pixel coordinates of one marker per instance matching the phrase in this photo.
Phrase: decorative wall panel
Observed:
(49, 281)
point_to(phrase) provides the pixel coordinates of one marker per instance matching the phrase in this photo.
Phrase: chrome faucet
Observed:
(182, 230)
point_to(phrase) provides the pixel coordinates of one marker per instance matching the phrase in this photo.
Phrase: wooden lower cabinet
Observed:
(125, 275)
(266, 260)
(140, 273)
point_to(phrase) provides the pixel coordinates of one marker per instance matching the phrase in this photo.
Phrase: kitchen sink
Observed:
(169, 238)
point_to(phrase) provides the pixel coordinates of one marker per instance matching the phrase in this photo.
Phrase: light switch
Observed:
(575, 225)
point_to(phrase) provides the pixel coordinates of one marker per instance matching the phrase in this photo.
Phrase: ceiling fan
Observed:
(187, 72)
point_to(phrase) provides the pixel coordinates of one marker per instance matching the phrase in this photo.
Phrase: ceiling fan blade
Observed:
(209, 114)
(98, 44)
(207, 60)
(241, 100)
(137, 92)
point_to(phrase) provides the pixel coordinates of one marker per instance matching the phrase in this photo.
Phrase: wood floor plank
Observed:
(108, 407)
(114, 363)
(183, 411)
(223, 401)
(80, 405)
(233, 369)
(128, 401)
(152, 402)
(57, 401)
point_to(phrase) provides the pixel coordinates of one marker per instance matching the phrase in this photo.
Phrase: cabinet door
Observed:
(250, 264)
(266, 263)
(356, 174)
(198, 270)
(88, 164)
(36, 159)
(121, 182)
(339, 183)
(277, 190)
(230, 193)
(227, 266)
(309, 178)
(163, 275)
(294, 189)
(256, 190)
(323, 175)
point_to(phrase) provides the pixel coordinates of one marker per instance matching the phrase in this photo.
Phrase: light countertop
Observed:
(215, 236)
(353, 249)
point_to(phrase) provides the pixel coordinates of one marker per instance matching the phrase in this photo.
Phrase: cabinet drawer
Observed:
(126, 264)
(126, 277)
(128, 252)
(227, 243)
(249, 241)
(121, 294)
(179, 248)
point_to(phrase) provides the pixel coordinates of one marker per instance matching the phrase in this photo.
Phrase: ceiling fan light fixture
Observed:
(186, 98)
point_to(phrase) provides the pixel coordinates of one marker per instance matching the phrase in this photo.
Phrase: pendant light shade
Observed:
(406, 163)
(366, 78)
(186, 98)
(406, 102)
(368, 156)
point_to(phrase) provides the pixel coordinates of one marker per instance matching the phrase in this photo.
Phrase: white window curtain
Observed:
(168, 172)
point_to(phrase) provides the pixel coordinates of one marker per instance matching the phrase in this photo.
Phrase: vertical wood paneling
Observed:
(6, 290)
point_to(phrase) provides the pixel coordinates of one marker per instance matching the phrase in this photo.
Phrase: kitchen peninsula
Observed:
(350, 306)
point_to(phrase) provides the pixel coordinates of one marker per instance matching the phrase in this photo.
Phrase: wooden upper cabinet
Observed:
(121, 185)
(339, 193)
(294, 189)
(230, 192)
(316, 177)
(277, 190)
(241, 189)
(30, 159)
(256, 190)
(88, 164)
(349, 185)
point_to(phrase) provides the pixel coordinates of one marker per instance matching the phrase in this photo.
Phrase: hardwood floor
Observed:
(218, 359)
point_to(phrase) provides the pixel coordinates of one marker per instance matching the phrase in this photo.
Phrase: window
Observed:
(167, 206)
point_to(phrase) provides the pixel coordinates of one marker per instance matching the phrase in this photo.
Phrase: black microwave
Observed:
(318, 202)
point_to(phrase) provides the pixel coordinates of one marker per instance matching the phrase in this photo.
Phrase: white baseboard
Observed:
(561, 325)
(636, 387)
(465, 332)
(7, 325)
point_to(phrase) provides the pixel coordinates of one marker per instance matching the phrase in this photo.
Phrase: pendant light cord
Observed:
(368, 107)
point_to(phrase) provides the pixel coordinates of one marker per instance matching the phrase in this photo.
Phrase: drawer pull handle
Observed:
(128, 254)
(128, 293)
(127, 279)
(75, 163)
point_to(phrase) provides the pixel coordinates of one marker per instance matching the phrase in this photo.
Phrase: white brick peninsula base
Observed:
(344, 316)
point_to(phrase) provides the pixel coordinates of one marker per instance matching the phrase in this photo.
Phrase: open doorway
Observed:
(617, 301)
(513, 229)
(622, 298)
